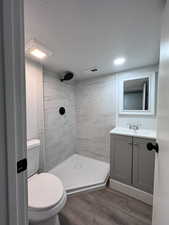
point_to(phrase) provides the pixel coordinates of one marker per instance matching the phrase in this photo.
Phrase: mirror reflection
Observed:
(136, 94)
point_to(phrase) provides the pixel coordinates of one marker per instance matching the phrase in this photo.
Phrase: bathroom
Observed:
(72, 115)
(91, 116)
(86, 124)
(91, 112)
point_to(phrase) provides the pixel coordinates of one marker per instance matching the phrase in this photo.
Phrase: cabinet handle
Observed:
(151, 146)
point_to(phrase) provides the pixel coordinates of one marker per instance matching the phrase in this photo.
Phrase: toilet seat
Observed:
(44, 191)
(46, 197)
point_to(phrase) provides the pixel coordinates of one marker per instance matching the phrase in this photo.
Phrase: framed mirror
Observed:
(137, 95)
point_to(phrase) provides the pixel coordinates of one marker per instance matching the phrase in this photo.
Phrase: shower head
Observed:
(67, 76)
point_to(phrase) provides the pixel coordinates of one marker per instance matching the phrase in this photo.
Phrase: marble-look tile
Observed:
(60, 131)
(90, 115)
(96, 115)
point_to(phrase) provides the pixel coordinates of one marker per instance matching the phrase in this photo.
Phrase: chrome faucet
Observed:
(134, 127)
(130, 126)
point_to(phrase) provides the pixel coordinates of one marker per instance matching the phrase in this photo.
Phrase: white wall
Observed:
(33, 86)
(146, 122)
(34, 105)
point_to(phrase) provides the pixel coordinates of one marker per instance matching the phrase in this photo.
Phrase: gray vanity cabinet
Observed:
(121, 158)
(143, 165)
(131, 163)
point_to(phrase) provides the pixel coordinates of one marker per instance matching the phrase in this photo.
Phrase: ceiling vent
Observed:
(92, 70)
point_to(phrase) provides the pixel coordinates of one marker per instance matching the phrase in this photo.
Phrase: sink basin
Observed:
(142, 133)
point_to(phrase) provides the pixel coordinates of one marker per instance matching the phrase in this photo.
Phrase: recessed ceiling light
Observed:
(37, 50)
(38, 53)
(119, 61)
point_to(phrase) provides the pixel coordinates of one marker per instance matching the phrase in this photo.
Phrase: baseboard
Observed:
(131, 191)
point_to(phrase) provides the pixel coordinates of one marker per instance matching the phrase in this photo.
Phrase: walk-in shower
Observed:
(80, 173)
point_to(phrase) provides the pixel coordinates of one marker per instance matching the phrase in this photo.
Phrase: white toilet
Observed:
(46, 194)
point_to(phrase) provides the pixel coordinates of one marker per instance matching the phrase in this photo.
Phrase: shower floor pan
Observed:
(79, 173)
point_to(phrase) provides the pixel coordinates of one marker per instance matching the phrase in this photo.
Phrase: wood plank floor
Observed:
(105, 207)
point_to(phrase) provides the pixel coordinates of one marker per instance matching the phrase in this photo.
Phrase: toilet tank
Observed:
(33, 152)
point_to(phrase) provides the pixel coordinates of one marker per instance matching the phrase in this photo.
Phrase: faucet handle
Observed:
(130, 126)
(135, 126)
(139, 125)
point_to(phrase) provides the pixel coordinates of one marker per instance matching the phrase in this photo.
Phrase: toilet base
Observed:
(52, 221)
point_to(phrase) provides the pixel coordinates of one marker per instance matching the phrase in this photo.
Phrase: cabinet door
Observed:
(143, 165)
(121, 158)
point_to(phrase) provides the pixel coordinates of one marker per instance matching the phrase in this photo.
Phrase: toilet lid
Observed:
(44, 191)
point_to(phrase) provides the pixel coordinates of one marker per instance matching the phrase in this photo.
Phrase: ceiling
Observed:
(83, 34)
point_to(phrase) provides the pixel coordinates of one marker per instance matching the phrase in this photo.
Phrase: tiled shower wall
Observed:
(90, 115)
(96, 116)
(60, 131)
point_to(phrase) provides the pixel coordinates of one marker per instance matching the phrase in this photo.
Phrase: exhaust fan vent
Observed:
(92, 70)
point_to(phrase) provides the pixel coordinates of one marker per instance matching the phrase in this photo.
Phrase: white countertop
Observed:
(142, 133)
